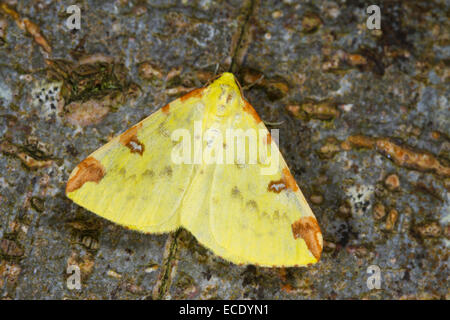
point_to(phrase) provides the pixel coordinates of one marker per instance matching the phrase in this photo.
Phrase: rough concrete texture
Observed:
(364, 126)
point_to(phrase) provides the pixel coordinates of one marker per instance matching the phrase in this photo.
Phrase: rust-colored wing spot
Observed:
(135, 146)
(276, 186)
(166, 108)
(125, 137)
(290, 181)
(129, 139)
(196, 93)
(286, 182)
(90, 169)
(249, 109)
(308, 229)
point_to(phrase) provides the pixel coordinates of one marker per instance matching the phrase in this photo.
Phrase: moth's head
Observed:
(224, 95)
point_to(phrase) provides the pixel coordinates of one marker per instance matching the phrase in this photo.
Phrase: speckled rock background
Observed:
(364, 126)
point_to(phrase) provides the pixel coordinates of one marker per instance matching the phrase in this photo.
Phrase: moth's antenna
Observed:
(239, 85)
(254, 83)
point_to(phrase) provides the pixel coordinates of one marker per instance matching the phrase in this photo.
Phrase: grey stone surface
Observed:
(293, 57)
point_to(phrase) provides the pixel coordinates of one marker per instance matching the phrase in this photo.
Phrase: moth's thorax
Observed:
(223, 97)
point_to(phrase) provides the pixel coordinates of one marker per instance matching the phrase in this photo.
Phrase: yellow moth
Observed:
(181, 167)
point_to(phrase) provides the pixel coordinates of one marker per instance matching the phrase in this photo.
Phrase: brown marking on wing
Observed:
(277, 186)
(196, 93)
(135, 146)
(290, 181)
(308, 229)
(125, 137)
(167, 171)
(252, 204)
(286, 182)
(249, 109)
(90, 169)
(166, 109)
(236, 193)
(129, 139)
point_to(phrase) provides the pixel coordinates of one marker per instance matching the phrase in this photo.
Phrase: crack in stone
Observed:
(244, 37)
(168, 269)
